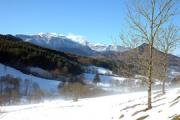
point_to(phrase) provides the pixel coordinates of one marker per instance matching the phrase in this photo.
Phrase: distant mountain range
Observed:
(27, 57)
(67, 44)
(61, 54)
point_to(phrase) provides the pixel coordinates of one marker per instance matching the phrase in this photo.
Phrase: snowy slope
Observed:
(44, 84)
(107, 78)
(128, 106)
(113, 82)
(99, 70)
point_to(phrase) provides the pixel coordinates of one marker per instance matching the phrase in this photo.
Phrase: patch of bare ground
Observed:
(121, 116)
(143, 117)
(143, 110)
(159, 111)
(175, 117)
(129, 107)
(130, 100)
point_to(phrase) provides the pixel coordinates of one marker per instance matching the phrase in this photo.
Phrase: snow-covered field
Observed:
(127, 106)
(107, 81)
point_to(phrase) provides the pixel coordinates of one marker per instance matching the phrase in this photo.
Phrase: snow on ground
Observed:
(127, 106)
(106, 80)
(103, 78)
(44, 84)
(106, 75)
(51, 85)
(99, 70)
(39, 71)
(103, 70)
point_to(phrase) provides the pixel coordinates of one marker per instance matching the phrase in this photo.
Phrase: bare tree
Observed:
(74, 89)
(27, 85)
(146, 18)
(168, 39)
(10, 90)
(36, 94)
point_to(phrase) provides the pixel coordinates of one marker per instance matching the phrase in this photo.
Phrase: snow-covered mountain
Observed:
(58, 42)
(70, 43)
(107, 48)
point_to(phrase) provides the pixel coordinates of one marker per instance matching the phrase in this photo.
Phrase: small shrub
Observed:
(176, 117)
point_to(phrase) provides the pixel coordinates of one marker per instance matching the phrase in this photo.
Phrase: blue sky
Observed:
(100, 21)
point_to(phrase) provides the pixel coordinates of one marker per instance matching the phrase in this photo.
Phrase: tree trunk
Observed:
(165, 73)
(163, 87)
(165, 78)
(150, 76)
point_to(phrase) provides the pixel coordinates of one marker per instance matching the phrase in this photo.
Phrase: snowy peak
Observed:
(75, 38)
(108, 48)
(54, 36)
(78, 38)
(48, 35)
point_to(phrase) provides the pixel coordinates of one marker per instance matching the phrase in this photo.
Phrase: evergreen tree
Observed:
(96, 78)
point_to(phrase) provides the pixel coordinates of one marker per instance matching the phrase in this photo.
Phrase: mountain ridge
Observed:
(70, 44)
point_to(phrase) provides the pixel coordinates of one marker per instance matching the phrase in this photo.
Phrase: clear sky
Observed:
(100, 21)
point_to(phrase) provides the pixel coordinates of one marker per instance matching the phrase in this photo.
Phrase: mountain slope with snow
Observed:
(58, 42)
(44, 84)
(70, 43)
(107, 48)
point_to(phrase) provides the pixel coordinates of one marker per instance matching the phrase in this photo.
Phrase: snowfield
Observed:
(126, 106)
(129, 106)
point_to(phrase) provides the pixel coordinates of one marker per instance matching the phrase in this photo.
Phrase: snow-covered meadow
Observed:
(129, 106)
(124, 106)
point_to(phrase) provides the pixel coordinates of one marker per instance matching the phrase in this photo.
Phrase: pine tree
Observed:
(96, 79)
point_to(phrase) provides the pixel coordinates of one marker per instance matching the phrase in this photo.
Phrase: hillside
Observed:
(20, 55)
(138, 57)
(129, 106)
(23, 55)
(143, 50)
